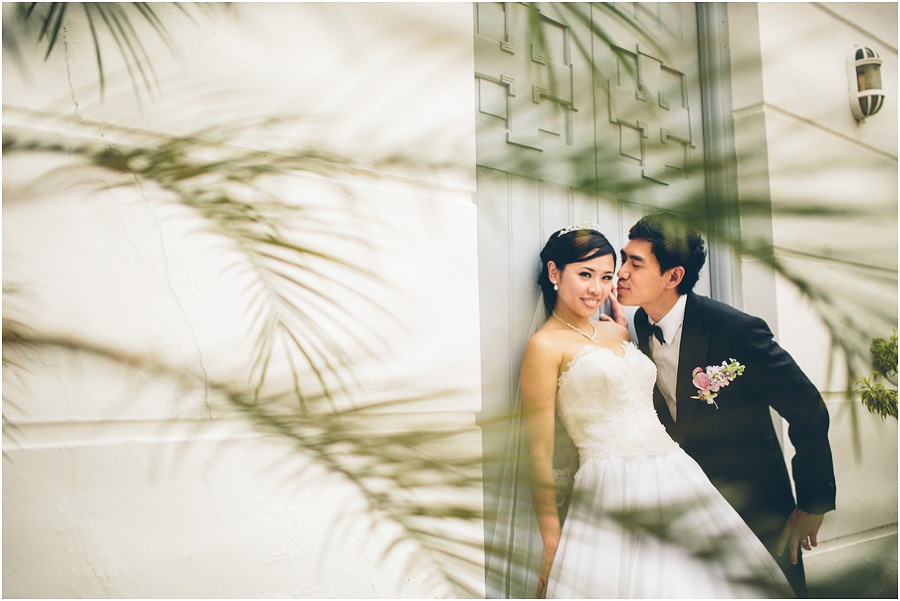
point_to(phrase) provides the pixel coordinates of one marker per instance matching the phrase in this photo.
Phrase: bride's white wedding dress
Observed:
(644, 520)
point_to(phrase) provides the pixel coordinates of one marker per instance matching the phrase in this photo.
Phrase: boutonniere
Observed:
(714, 378)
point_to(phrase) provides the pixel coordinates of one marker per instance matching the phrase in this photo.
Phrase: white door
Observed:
(601, 118)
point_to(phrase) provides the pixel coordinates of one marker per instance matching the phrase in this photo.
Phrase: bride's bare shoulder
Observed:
(547, 341)
(542, 340)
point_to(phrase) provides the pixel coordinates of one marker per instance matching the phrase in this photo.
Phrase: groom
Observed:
(733, 440)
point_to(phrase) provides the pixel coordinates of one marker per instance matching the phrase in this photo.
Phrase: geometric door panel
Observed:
(533, 90)
(570, 93)
(649, 103)
(651, 97)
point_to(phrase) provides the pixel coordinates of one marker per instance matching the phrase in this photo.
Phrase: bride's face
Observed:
(583, 286)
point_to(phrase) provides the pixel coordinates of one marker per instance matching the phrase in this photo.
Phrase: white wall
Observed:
(797, 140)
(119, 483)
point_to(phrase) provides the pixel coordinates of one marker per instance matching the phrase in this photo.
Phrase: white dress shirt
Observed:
(666, 355)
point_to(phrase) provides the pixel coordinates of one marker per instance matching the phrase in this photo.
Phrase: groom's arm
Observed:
(778, 378)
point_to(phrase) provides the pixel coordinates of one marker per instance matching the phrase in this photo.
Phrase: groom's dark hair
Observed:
(674, 244)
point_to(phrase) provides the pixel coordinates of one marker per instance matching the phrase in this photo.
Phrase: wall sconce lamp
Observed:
(864, 75)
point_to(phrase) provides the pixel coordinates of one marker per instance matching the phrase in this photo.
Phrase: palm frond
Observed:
(224, 186)
(401, 472)
(46, 22)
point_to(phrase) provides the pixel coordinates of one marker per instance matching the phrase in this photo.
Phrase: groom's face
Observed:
(640, 281)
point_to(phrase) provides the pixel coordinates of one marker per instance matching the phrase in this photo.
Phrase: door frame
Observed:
(720, 151)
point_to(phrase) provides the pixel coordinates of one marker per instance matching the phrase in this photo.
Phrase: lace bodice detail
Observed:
(605, 401)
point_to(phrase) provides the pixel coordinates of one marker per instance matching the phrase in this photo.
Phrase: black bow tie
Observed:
(657, 331)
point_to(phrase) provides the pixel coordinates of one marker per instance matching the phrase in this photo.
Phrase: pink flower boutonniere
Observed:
(714, 378)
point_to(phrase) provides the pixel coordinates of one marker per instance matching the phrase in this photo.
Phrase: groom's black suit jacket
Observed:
(736, 444)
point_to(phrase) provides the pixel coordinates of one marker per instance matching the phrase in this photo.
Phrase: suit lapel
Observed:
(693, 353)
(642, 329)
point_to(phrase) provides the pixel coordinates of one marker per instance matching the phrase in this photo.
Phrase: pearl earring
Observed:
(555, 287)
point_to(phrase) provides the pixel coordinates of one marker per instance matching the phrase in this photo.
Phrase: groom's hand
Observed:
(618, 311)
(802, 529)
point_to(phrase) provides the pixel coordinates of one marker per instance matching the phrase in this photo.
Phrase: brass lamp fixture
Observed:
(864, 78)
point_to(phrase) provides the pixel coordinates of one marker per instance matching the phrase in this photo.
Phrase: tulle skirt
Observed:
(655, 527)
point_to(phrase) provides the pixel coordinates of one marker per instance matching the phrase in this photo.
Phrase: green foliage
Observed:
(874, 395)
(884, 357)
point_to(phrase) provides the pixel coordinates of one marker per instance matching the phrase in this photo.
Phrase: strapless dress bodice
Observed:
(605, 400)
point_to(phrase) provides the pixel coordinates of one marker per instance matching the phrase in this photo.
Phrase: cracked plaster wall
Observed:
(115, 482)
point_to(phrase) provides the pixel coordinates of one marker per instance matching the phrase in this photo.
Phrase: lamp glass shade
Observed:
(868, 77)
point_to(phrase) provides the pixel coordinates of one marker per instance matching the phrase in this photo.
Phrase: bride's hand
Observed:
(618, 311)
(546, 564)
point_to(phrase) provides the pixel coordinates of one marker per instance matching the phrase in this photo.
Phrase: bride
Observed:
(643, 520)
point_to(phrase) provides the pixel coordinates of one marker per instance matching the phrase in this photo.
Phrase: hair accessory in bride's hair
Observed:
(590, 224)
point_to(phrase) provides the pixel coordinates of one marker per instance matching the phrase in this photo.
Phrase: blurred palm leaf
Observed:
(44, 23)
(223, 185)
(404, 474)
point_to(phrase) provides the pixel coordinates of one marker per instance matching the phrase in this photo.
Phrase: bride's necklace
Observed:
(568, 325)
